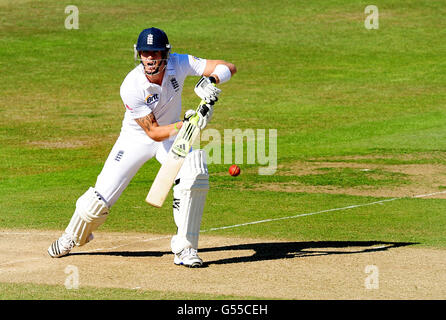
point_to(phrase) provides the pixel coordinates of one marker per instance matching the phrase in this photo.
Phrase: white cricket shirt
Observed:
(141, 97)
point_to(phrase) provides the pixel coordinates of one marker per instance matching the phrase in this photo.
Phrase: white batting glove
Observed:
(204, 113)
(206, 90)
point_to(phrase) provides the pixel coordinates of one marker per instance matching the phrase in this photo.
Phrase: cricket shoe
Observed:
(62, 246)
(189, 258)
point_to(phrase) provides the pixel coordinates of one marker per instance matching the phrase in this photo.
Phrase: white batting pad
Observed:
(189, 199)
(91, 212)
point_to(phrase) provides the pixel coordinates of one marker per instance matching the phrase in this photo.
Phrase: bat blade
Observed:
(172, 164)
(164, 180)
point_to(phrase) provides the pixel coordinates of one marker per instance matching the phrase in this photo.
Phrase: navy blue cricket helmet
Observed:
(153, 39)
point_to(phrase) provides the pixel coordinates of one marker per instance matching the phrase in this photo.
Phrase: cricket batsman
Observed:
(151, 94)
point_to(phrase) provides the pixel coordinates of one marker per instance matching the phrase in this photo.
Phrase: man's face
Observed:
(151, 61)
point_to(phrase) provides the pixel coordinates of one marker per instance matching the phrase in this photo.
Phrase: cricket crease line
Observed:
(322, 211)
(301, 215)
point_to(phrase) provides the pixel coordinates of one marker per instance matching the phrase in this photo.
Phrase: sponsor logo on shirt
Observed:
(152, 98)
(127, 106)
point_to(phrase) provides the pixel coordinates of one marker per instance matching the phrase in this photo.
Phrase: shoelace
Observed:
(189, 252)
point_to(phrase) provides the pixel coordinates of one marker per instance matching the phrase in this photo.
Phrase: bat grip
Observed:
(202, 108)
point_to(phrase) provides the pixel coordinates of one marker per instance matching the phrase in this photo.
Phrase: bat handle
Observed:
(203, 109)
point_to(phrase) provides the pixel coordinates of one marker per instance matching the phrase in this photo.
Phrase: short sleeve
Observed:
(191, 65)
(135, 105)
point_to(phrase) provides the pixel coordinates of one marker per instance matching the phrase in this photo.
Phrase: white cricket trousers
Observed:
(125, 159)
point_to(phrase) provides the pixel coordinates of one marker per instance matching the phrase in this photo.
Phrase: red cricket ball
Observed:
(234, 170)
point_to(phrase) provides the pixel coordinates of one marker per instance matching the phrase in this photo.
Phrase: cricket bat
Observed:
(175, 158)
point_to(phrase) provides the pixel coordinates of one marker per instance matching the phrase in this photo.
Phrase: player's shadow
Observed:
(288, 250)
(273, 250)
(135, 254)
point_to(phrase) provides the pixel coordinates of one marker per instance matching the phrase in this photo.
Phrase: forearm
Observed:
(155, 131)
(161, 133)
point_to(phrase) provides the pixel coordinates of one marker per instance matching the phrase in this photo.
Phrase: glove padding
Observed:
(206, 90)
(205, 112)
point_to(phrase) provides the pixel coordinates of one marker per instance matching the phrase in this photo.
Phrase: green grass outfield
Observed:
(309, 69)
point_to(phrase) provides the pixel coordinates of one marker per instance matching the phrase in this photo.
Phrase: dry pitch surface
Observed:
(234, 266)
